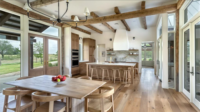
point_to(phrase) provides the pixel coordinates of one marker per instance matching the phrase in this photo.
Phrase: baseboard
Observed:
(193, 105)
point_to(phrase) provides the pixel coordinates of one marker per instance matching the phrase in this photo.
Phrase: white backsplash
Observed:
(123, 56)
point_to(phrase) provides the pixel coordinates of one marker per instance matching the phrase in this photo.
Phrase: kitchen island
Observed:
(111, 66)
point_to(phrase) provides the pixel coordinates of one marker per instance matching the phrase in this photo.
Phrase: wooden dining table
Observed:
(71, 87)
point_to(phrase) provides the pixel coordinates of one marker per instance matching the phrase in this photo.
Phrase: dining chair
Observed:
(85, 77)
(26, 77)
(23, 100)
(100, 102)
(50, 103)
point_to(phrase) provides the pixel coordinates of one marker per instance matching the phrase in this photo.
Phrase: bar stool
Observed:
(115, 74)
(105, 70)
(126, 75)
(92, 72)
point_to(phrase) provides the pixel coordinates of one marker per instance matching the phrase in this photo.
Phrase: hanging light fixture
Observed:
(52, 18)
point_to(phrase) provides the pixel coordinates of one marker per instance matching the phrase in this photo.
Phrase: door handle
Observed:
(192, 71)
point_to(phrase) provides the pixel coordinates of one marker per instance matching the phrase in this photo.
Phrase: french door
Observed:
(44, 55)
(191, 79)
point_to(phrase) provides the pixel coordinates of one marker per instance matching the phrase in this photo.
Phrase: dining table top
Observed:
(71, 87)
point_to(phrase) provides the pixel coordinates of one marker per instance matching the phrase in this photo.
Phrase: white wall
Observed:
(140, 34)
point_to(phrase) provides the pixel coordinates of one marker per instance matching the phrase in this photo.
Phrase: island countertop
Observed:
(111, 64)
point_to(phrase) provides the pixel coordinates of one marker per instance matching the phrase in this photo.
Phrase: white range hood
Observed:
(121, 41)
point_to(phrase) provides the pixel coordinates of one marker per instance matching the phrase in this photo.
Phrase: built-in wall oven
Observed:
(75, 58)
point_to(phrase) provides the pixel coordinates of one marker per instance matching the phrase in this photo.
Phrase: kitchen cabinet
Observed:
(75, 70)
(75, 41)
(89, 46)
(82, 66)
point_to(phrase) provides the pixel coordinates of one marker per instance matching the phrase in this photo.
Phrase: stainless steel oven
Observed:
(75, 58)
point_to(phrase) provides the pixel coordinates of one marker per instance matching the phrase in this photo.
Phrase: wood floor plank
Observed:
(173, 104)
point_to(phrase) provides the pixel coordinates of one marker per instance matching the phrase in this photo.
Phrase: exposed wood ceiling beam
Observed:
(117, 11)
(144, 22)
(128, 15)
(89, 26)
(104, 23)
(180, 3)
(40, 3)
(81, 30)
(5, 18)
(20, 10)
(43, 28)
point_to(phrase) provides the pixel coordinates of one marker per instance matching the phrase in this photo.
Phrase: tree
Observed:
(5, 48)
(38, 50)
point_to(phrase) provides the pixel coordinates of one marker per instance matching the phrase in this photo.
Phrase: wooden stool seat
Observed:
(94, 105)
(85, 77)
(58, 106)
(26, 101)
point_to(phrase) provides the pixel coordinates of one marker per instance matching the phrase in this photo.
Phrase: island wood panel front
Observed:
(110, 67)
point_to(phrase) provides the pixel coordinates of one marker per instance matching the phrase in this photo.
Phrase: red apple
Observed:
(59, 76)
(64, 78)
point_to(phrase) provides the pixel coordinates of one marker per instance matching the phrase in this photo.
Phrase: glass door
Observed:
(196, 63)
(44, 55)
(186, 61)
(53, 57)
(36, 55)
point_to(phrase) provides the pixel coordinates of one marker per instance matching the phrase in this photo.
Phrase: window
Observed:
(41, 28)
(143, 55)
(147, 51)
(10, 57)
(149, 55)
(171, 21)
(191, 10)
(8, 20)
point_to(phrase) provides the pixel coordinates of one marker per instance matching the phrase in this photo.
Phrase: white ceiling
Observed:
(105, 8)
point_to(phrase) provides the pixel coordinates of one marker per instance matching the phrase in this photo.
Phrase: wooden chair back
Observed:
(85, 77)
(19, 92)
(45, 97)
(108, 91)
(104, 92)
(16, 91)
(21, 78)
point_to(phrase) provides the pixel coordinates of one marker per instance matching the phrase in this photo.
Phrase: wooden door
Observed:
(36, 55)
(53, 56)
(44, 55)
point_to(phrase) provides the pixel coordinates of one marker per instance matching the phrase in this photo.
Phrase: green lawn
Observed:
(14, 67)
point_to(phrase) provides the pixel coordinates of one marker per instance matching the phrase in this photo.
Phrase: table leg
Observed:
(67, 104)
(87, 69)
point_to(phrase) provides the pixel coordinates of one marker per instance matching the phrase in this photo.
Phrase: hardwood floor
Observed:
(145, 95)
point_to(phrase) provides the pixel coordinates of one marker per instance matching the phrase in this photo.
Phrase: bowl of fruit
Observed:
(59, 79)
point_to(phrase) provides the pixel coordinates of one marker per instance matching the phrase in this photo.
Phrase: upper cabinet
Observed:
(75, 41)
(89, 46)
